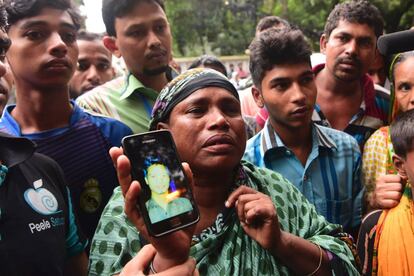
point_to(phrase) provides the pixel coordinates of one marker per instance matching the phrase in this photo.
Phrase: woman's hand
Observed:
(257, 215)
(140, 263)
(172, 249)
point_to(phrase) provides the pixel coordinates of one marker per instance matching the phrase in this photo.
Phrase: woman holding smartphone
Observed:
(252, 221)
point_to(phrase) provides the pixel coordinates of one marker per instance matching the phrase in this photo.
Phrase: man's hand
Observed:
(388, 192)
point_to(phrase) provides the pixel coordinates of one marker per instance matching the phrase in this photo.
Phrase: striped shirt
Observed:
(331, 178)
(372, 114)
(125, 99)
(81, 150)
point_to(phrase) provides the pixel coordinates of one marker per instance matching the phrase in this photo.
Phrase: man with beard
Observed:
(346, 98)
(138, 31)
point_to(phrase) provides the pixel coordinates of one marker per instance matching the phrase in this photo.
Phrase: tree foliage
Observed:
(226, 27)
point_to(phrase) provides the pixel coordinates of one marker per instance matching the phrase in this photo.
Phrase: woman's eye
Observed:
(404, 87)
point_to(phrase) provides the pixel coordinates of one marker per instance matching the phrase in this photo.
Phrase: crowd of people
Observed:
(305, 175)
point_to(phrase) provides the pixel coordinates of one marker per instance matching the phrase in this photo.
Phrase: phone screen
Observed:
(166, 200)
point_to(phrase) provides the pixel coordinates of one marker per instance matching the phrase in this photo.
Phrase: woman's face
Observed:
(404, 84)
(158, 179)
(208, 130)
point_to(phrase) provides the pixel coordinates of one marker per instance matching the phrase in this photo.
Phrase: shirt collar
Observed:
(270, 139)
(15, 150)
(131, 85)
(14, 128)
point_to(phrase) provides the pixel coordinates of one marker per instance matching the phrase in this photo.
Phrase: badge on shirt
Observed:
(91, 196)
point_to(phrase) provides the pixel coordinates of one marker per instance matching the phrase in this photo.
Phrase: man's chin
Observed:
(155, 71)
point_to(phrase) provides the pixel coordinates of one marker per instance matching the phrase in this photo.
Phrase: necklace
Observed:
(3, 173)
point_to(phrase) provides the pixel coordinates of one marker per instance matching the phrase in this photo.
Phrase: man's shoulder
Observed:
(111, 128)
(340, 138)
(251, 146)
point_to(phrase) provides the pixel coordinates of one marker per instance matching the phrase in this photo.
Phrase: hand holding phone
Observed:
(165, 202)
(172, 249)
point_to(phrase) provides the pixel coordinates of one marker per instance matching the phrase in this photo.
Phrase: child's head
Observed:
(402, 138)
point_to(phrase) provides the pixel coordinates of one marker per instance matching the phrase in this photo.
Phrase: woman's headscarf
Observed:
(183, 86)
(397, 59)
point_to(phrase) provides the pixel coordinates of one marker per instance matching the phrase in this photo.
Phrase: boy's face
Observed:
(289, 93)
(44, 50)
(143, 40)
(349, 50)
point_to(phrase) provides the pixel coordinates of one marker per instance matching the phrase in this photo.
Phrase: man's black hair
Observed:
(271, 21)
(402, 133)
(210, 62)
(88, 36)
(19, 9)
(112, 9)
(276, 47)
(356, 11)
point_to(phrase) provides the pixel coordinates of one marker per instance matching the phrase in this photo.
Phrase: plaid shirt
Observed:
(331, 178)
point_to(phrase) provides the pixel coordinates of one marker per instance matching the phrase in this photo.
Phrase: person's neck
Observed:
(160, 199)
(299, 140)
(210, 192)
(156, 83)
(332, 87)
(41, 109)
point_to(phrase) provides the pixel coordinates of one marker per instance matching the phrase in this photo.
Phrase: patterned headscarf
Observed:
(183, 86)
(396, 59)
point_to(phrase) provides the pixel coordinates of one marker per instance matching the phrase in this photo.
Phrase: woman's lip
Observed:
(219, 139)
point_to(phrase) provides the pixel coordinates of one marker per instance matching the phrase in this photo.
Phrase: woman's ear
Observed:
(399, 164)
(162, 125)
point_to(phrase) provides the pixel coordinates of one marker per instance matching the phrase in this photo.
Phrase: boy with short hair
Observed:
(324, 164)
(43, 57)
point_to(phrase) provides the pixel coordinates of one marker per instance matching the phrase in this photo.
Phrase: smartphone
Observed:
(166, 201)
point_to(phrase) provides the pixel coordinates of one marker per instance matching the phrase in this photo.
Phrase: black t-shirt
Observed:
(37, 231)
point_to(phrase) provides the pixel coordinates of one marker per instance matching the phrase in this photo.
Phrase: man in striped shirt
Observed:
(323, 163)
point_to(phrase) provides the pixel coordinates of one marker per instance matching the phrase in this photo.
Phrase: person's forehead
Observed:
(288, 70)
(46, 17)
(360, 29)
(208, 95)
(93, 48)
(142, 13)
